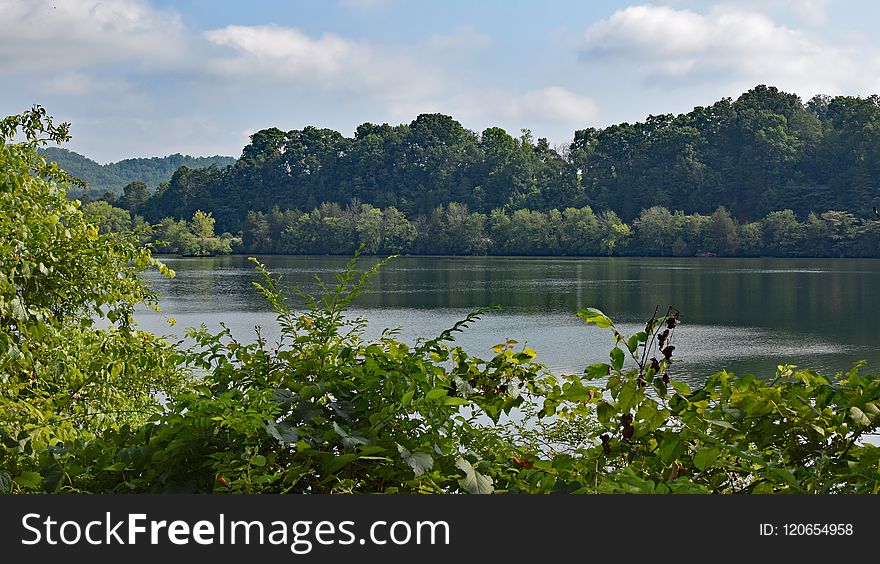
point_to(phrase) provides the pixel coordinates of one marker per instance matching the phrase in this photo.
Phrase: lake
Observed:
(742, 315)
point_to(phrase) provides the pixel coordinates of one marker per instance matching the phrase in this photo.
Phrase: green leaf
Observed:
(349, 441)
(420, 462)
(670, 448)
(660, 386)
(650, 417)
(258, 460)
(575, 391)
(29, 480)
(616, 358)
(705, 457)
(449, 400)
(596, 317)
(338, 462)
(473, 482)
(858, 416)
(605, 411)
(733, 412)
(284, 432)
(785, 475)
(436, 393)
(407, 397)
(629, 396)
(681, 387)
(720, 423)
(595, 371)
(633, 343)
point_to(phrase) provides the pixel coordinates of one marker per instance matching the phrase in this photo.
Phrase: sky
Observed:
(143, 78)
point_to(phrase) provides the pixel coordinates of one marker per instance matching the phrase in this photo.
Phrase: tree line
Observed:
(765, 174)
(764, 152)
(656, 231)
(454, 230)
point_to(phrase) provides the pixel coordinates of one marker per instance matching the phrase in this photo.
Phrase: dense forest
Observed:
(112, 177)
(763, 152)
(765, 174)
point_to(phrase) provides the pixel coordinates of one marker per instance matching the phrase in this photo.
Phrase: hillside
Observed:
(113, 177)
(762, 152)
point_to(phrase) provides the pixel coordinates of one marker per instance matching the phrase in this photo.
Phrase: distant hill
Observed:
(113, 177)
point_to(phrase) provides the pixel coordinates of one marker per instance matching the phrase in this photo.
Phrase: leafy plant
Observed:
(643, 432)
(62, 376)
(322, 410)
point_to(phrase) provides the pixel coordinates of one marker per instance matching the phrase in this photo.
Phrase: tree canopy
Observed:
(766, 151)
(72, 361)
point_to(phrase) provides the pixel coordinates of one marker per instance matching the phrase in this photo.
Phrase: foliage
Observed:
(320, 411)
(764, 152)
(114, 177)
(454, 230)
(192, 238)
(323, 411)
(643, 432)
(63, 375)
(764, 174)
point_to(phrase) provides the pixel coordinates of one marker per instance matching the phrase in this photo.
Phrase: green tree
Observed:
(134, 196)
(398, 234)
(721, 236)
(751, 239)
(580, 232)
(533, 232)
(654, 231)
(368, 225)
(108, 217)
(782, 233)
(616, 235)
(202, 225)
(72, 361)
(454, 230)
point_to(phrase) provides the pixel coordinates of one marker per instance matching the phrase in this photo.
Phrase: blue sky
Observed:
(154, 77)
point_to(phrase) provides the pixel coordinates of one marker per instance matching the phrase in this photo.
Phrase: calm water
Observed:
(743, 315)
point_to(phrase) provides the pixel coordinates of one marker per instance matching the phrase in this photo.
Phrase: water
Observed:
(742, 315)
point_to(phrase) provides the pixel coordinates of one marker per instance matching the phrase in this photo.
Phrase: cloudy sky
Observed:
(154, 77)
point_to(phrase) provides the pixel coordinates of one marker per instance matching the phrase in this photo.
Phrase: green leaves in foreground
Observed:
(420, 462)
(593, 316)
(473, 482)
(64, 379)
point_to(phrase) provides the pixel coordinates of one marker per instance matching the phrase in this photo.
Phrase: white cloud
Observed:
(726, 45)
(810, 11)
(813, 12)
(553, 104)
(69, 84)
(284, 52)
(43, 36)
(329, 62)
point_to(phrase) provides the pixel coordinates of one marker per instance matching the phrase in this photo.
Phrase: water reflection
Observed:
(743, 315)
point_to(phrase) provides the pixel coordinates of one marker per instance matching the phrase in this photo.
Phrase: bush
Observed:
(62, 378)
